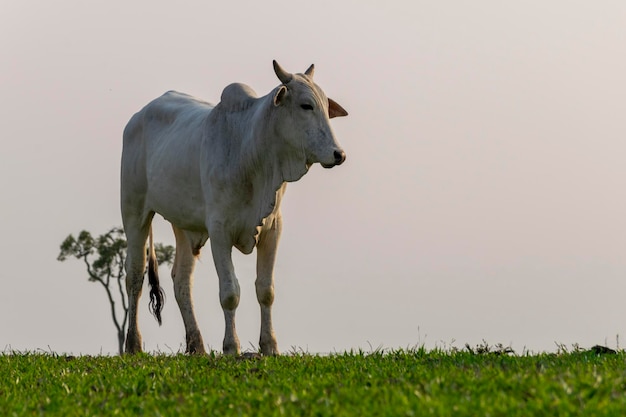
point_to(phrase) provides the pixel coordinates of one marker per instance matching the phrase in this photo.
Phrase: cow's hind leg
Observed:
(182, 275)
(266, 257)
(136, 236)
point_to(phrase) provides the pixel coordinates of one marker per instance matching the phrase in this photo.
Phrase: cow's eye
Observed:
(306, 107)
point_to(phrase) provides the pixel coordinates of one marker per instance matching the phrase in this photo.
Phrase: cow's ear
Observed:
(335, 110)
(279, 97)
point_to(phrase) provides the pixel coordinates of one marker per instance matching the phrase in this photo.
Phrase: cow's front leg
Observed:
(266, 257)
(229, 289)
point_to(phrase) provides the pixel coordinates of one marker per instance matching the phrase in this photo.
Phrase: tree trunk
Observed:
(120, 340)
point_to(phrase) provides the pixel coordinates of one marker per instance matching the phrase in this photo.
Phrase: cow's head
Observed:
(304, 119)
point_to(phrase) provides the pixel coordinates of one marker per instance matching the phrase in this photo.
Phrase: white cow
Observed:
(219, 171)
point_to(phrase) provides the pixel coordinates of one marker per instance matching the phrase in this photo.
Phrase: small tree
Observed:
(104, 258)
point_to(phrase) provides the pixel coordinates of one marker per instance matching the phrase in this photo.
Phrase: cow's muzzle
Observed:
(340, 157)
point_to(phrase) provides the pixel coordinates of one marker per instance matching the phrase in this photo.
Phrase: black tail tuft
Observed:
(157, 296)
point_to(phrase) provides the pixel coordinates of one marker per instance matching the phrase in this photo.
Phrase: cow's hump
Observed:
(237, 97)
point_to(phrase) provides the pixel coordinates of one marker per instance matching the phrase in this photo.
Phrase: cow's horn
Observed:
(310, 71)
(282, 75)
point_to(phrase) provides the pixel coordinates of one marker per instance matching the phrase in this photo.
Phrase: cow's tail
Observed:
(157, 296)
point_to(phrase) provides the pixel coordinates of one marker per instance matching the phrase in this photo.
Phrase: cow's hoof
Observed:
(269, 349)
(195, 345)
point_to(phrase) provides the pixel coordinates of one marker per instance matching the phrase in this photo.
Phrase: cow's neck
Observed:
(272, 161)
(265, 164)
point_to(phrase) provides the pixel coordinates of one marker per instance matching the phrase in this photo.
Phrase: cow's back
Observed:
(169, 113)
(160, 156)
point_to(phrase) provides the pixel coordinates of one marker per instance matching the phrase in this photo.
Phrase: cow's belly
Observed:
(182, 210)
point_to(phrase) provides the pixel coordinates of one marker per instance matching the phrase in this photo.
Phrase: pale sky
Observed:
(483, 196)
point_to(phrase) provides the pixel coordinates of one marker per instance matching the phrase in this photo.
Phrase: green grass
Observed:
(400, 383)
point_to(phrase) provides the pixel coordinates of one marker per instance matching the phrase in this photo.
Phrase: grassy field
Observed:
(400, 383)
